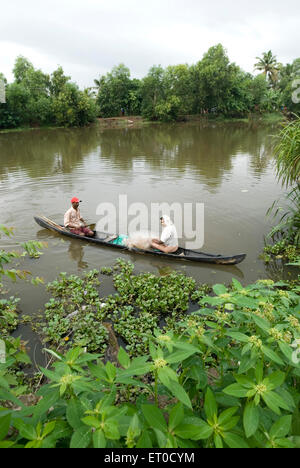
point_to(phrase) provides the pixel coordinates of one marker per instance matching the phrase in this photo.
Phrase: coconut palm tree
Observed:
(269, 66)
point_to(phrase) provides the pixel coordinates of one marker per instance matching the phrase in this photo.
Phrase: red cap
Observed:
(75, 200)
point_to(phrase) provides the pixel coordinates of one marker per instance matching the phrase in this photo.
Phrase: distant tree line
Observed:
(214, 85)
(35, 98)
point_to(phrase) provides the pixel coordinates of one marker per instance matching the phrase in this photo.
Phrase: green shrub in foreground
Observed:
(228, 377)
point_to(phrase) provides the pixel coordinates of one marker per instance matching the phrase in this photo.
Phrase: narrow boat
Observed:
(106, 239)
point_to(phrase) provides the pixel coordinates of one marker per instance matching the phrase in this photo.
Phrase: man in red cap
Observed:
(74, 222)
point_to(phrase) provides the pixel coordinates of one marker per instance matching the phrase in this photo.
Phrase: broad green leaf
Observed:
(259, 371)
(171, 442)
(144, 441)
(236, 390)
(201, 431)
(74, 413)
(210, 405)
(274, 402)
(251, 419)
(219, 289)
(272, 355)
(246, 364)
(49, 427)
(123, 358)
(138, 368)
(244, 381)
(99, 440)
(281, 427)
(218, 441)
(287, 350)
(98, 371)
(176, 416)
(27, 431)
(161, 438)
(179, 356)
(44, 404)
(134, 429)
(178, 391)
(230, 424)
(111, 371)
(4, 383)
(284, 443)
(186, 347)
(81, 438)
(111, 430)
(226, 415)
(91, 421)
(237, 285)
(261, 323)
(73, 355)
(4, 425)
(168, 373)
(237, 336)
(154, 417)
(234, 441)
(274, 380)
(6, 444)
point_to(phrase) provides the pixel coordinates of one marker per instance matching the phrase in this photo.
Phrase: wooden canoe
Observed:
(182, 254)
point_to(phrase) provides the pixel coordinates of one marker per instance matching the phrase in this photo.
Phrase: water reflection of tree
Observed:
(207, 149)
(45, 152)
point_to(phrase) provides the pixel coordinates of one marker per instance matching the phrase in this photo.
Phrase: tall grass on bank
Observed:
(287, 154)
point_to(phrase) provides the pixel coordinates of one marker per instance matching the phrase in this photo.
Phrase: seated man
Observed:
(168, 242)
(74, 222)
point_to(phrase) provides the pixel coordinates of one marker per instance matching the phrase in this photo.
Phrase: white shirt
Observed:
(169, 236)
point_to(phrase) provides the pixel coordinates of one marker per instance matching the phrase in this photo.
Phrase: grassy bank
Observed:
(138, 121)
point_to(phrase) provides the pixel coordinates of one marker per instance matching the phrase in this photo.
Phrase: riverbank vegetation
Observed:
(225, 375)
(286, 234)
(212, 87)
(37, 99)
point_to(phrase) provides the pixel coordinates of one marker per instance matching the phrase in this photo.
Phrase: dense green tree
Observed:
(72, 107)
(116, 91)
(259, 90)
(220, 83)
(153, 91)
(22, 66)
(36, 98)
(58, 81)
(179, 84)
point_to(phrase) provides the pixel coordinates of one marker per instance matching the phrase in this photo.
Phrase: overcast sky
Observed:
(88, 37)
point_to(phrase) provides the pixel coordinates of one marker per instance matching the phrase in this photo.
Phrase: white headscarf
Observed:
(167, 220)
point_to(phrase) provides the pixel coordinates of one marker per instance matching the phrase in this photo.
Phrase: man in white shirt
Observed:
(74, 222)
(168, 243)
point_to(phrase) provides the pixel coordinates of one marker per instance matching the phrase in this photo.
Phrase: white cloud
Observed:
(89, 38)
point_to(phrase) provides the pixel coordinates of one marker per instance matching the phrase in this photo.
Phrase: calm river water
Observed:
(228, 167)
